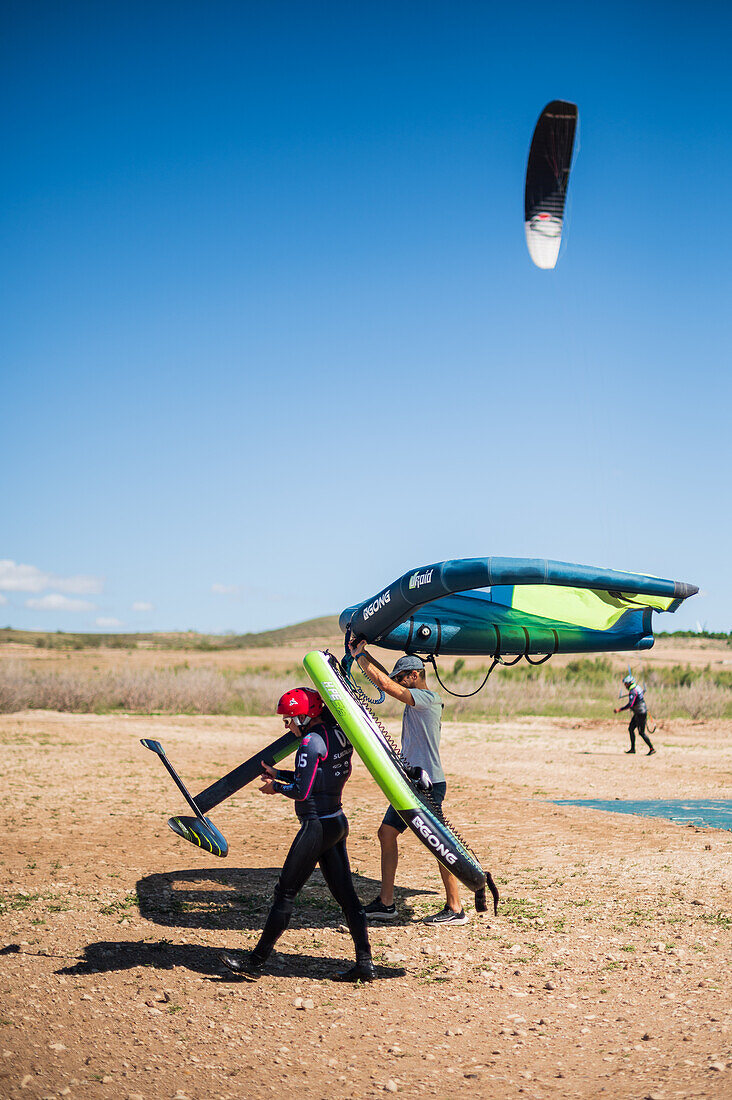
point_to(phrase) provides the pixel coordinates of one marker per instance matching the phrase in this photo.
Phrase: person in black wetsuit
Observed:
(322, 767)
(636, 703)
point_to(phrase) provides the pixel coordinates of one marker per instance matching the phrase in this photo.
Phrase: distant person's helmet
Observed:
(629, 681)
(302, 704)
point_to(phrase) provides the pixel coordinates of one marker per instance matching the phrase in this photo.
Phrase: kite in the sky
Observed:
(547, 178)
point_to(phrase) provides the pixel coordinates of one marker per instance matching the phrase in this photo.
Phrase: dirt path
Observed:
(606, 973)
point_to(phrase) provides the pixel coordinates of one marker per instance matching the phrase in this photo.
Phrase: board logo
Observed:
(332, 689)
(434, 841)
(377, 604)
(418, 579)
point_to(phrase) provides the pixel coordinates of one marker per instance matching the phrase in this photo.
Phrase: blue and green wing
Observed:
(514, 606)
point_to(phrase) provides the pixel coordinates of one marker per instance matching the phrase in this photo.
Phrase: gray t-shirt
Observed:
(421, 733)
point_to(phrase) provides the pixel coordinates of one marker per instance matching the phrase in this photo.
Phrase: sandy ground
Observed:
(605, 974)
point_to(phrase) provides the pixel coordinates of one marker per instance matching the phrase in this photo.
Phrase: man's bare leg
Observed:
(389, 860)
(452, 893)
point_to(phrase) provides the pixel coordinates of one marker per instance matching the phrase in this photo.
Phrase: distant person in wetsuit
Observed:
(421, 728)
(322, 767)
(636, 703)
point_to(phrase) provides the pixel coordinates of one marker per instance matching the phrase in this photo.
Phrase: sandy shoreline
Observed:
(605, 974)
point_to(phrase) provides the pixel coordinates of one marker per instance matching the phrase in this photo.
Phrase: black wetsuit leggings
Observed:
(638, 722)
(323, 841)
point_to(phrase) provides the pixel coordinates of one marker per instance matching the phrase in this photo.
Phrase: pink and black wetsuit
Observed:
(322, 767)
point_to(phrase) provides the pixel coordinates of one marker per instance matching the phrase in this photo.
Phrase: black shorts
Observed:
(392, 818)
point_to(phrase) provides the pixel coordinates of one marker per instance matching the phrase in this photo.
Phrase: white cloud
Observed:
(15, 577)
(142, 605)
(102, 621)
(54, 602)
(226, 589)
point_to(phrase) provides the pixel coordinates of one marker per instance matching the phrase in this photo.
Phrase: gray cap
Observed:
(408, 663)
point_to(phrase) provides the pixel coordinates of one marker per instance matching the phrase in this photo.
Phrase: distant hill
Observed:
(325, 627)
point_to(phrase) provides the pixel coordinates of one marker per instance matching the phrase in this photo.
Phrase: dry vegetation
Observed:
(689, 677)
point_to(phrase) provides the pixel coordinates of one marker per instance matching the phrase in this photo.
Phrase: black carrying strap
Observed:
(540, 661)
(497, 660)
(459, 694)
(546, 656)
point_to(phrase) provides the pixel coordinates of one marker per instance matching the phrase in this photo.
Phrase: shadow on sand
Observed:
(107, 956)
(217, 899)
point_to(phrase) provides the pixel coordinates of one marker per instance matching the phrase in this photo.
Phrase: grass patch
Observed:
(17, 901)
(121, 905)
(644, 918)
(522, 910)
(719, 920)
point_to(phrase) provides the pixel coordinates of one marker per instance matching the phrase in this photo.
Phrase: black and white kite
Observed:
(547, 178)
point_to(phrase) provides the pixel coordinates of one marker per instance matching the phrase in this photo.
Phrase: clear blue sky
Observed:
(271, 335)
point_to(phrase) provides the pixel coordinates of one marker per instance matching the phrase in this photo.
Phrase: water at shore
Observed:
(713, 813)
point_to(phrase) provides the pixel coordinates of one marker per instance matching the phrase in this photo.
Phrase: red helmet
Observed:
(300, 702)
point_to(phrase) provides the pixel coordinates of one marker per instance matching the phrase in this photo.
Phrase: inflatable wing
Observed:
(547, 178)
(514, 606)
